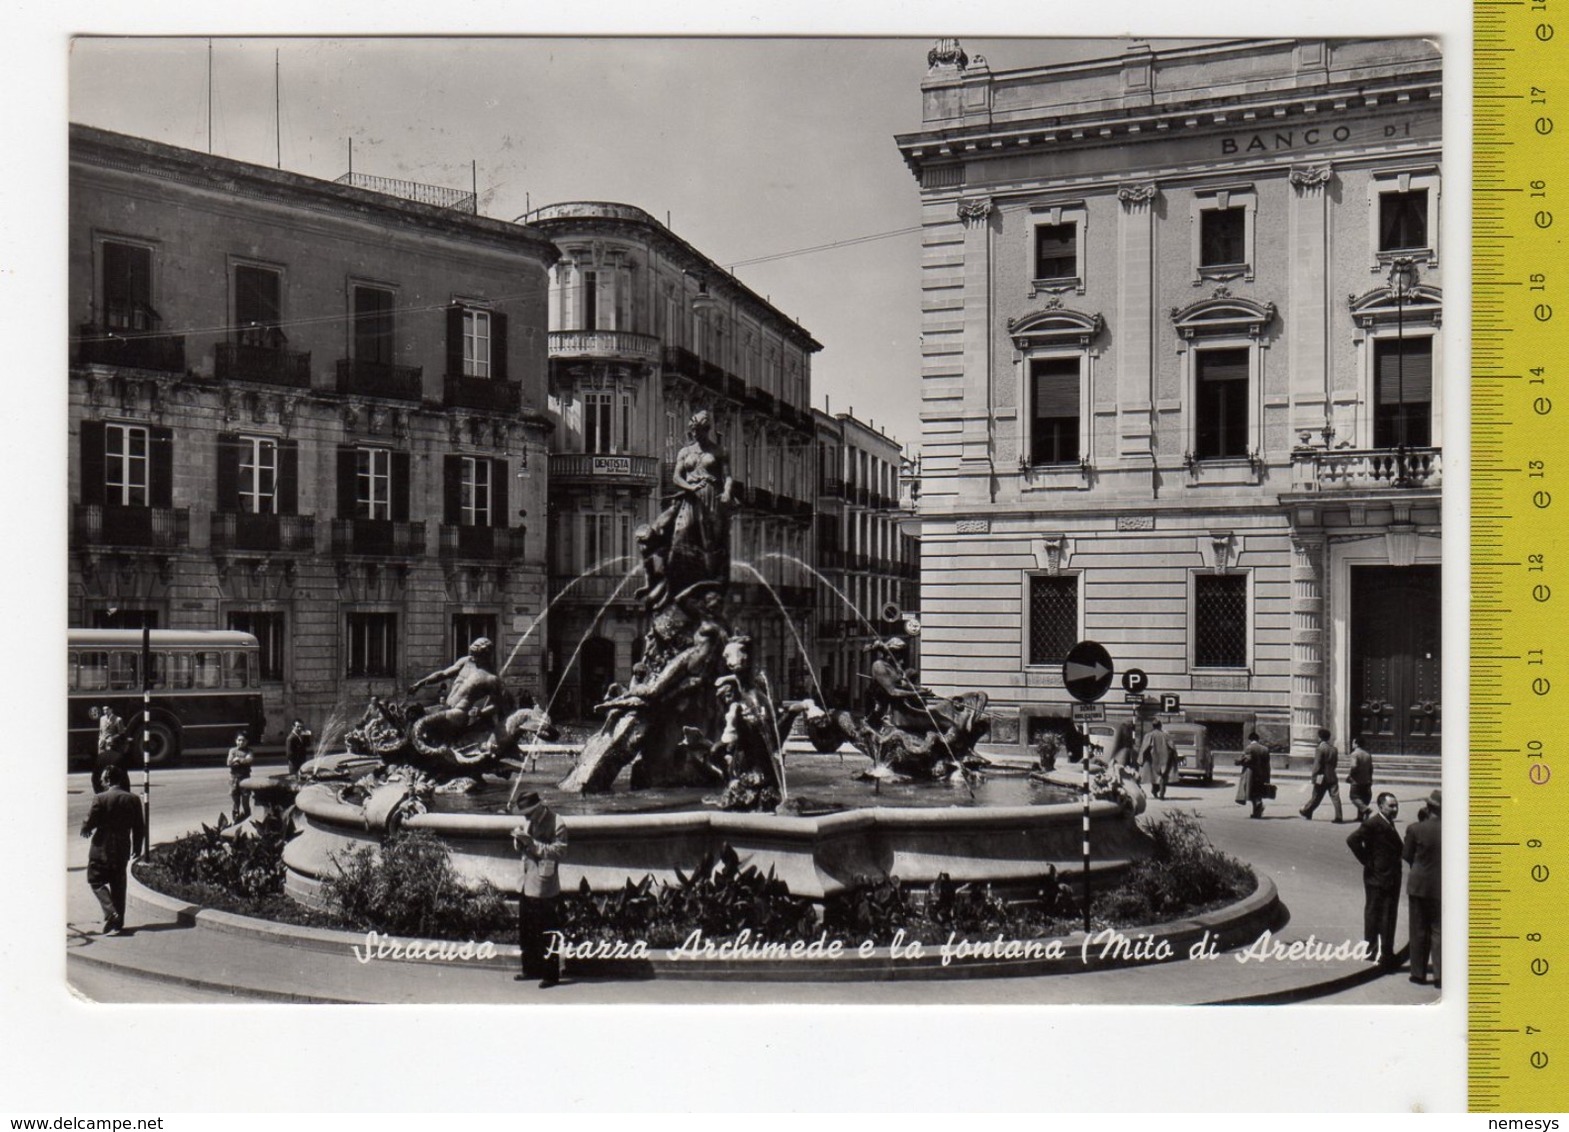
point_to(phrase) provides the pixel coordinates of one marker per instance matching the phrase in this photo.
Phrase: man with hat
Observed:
(1423, 851)
(542, 839)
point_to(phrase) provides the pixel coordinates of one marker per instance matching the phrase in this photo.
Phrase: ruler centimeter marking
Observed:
(1518, 1025)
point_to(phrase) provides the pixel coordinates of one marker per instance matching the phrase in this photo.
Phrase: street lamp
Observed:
(1402, 277)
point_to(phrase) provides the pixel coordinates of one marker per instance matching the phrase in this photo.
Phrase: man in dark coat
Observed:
(118, 828)
(1160, 756)
(297, 745)
(1254, 786)
(1424, 888)
(1360, 779)
(1326, 761)
(1377, 845)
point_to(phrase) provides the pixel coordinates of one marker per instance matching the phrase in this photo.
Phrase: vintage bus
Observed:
(206, 686)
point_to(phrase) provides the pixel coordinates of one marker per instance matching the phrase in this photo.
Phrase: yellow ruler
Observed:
(1519, 736)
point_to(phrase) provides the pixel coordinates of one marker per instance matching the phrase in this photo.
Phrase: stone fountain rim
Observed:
(319, 801)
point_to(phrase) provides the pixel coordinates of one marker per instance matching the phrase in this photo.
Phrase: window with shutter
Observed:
(1222, 237)
(1221, 424)
(126, 465)
(256, 482)
(476, 343)
(1054, 413)
(1056, 251)
(128, 287)
(1403, 394)
(373, 325)
(373, 483)
(258, 299)
(474, 503)
(1402, 220)
(372, 644)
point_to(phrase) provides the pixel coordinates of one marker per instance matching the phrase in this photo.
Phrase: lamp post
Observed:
(1402, 276)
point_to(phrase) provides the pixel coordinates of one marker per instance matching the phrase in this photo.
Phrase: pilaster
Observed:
(1135, 317)
(975, 452)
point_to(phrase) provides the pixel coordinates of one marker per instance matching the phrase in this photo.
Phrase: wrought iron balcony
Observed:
(832, 488)
(491, 544)
(678, 359)
(735, 388)
(380, 379)
(764, 401)
(460, 391)
(244, 361)
(595, 589)
(1366, 469)
(245, 531)
(382, 537)
(134, 349)
(588, 467)
(760, 498)
(606, 344)
(150, 528)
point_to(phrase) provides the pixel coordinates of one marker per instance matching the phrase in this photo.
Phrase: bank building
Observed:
(1182, 384)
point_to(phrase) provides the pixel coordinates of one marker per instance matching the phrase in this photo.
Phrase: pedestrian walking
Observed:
(1377, 845)
(239, 763)
(1424, 890)
(297, 746)
(1159, 755)
(542, 840)
(1253, 785)
(1359, 779)
(1326, 762)
(118, 828)
(112, 740)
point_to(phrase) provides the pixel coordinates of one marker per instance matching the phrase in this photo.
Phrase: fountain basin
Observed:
(1007, 846)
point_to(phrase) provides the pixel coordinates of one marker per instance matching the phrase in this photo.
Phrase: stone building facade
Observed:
(1183, 382)
(306, 410)
(868, 560)
(644, 330)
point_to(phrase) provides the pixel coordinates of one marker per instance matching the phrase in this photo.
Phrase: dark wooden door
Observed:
(1397, 658)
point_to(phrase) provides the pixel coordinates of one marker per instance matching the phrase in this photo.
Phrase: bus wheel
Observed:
(163, 745)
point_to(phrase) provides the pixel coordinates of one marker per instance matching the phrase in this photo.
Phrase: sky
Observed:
(753, 148)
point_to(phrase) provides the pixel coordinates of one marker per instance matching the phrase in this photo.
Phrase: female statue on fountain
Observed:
(693, 534)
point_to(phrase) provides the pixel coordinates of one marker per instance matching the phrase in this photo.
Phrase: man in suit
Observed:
(118, 828)
(1376, 844)
(542, 839)
(1424, 852)
(1360, 779)
(1157, 753)
(1326, 761)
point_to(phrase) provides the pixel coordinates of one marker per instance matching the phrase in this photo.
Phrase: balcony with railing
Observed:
(489, 544)
(461, 391)
(595, 589)
(233, 531)
(382, 537)
(132, 349)
(734, 387)
(591, 467)
(380, 379)
(267, 364)
(760, 498)
(1366, 469)
(610, 344)
(145, 528)
(678, 359)
(832, 488)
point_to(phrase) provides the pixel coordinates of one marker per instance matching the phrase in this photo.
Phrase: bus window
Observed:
(236, 669)
(160, 662)
(182, 669)
(122, 671)
(209, 669)
(93, 676)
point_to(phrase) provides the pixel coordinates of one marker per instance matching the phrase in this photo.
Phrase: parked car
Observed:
(1192, 743)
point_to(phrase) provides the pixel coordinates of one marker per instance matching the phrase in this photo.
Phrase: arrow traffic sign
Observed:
(1086, 671)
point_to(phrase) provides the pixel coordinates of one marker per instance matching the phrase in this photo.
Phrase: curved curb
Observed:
(1227, 927)
(1315, 990)
(196, 983)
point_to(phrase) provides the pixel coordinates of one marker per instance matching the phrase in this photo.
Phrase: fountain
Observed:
(704, 744)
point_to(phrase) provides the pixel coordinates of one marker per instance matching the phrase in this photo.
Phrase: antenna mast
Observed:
(209, 96)
(277, 104)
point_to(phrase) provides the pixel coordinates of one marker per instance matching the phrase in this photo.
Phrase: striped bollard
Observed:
(1085, 758)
